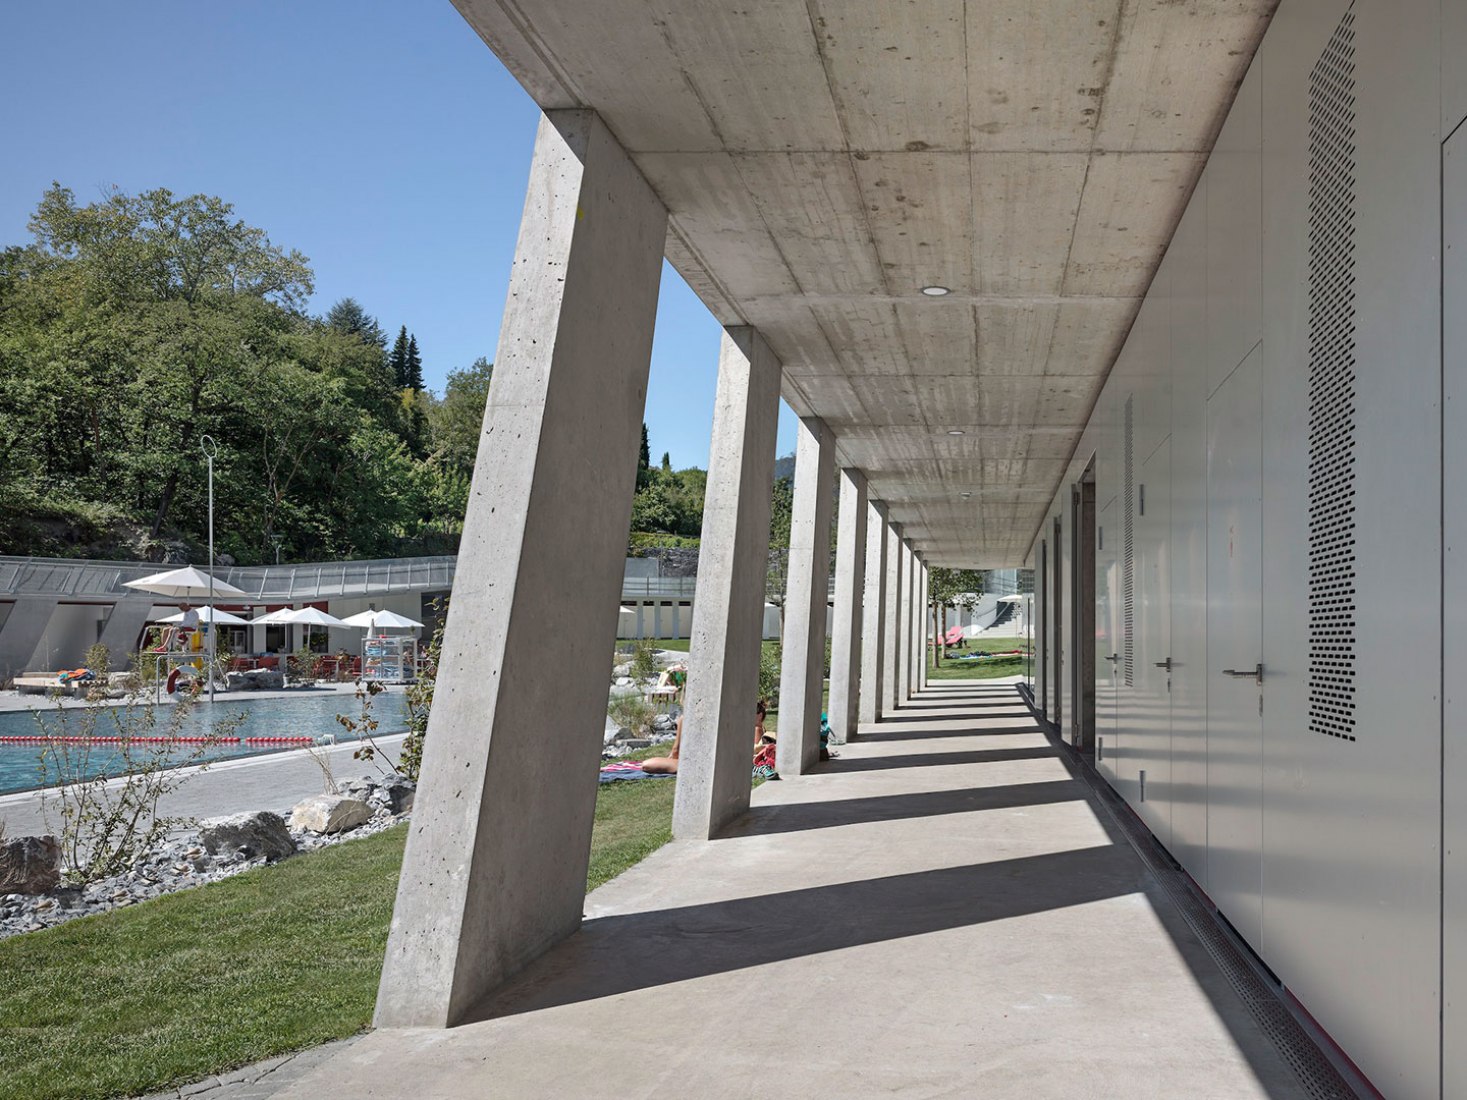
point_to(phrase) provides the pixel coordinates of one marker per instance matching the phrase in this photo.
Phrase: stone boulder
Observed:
(395, 794)
(30, 865)
(330, 813)
(252, 835)
(256, 679)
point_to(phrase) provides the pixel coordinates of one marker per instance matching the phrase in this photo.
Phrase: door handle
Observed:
(1114, 657)
(1255, 673)
(1167, 664)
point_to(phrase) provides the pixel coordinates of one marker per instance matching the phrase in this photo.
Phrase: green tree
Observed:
(457, 420)
(397, 359)
(644, 460)
(951, 588)
(348, 316)
(414, 367)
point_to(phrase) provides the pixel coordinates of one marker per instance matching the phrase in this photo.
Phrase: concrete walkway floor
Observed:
(940, 912)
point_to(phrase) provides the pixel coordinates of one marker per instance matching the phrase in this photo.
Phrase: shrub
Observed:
(770, 658)
(420, 700)
(301, 666)
(644, 660)
(99, 660)
(632, 712)
(106, 827)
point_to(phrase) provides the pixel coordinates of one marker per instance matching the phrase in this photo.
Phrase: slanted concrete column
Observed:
(495, 867)
(930, 623)
(850, 591)
(807, 588)
(713, 778)
(891, 649)
(924, 627)
(909, 605)
(120, 633)
(873, 624)
(22, 632)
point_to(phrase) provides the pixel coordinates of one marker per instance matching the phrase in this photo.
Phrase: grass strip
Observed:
(206, 980)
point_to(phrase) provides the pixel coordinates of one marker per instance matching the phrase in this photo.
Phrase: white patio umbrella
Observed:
(185, 583)
(313, 616)
(380, 620)
(1012, 599)
(298, 616)
(208, 615)
(189, 583)
(274, 618)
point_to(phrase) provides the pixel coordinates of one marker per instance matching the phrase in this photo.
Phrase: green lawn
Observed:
(200, 982)
(979, 670)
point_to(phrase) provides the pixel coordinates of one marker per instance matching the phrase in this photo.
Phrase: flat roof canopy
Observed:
(822, 163)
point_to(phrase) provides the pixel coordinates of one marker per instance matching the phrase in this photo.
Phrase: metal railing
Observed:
(84, 579)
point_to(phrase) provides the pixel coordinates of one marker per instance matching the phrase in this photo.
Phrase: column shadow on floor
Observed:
(986, 717)
(799, 816)
(620, 954)
(933, 759)
(935, 734)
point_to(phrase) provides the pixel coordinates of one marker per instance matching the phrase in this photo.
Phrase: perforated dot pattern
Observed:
(1332, 389)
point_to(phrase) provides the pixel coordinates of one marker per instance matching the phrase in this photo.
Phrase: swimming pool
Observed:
(312, 716)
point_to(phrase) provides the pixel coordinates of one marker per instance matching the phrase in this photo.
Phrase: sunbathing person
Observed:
(667, 765)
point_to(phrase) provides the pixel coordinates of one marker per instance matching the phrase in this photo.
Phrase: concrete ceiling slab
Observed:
(822, 163)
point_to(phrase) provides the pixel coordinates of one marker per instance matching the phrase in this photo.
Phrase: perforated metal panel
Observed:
(1128, 550)
(1332, 386)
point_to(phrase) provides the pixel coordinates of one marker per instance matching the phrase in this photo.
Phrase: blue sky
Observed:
(379, 137)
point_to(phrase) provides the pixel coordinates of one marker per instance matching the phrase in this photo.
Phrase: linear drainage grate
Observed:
(1320, 1077)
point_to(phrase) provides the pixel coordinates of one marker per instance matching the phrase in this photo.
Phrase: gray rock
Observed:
(330, 813)
(397, 794)
(30, 865)
(251, 835)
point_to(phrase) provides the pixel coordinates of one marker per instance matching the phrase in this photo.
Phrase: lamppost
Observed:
(211, 451)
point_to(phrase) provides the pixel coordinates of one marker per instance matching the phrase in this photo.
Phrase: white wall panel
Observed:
(1325, 852)
(1188, 550)
(1235, 645)
(1107, 595)
(1151, 735)
(1351, 912)
(1234, 203)
(1151, 382)
(1454, 606)
(1453, 64)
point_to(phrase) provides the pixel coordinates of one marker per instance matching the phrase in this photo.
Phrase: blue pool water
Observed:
(311, 716)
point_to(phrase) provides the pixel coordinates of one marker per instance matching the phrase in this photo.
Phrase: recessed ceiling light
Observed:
(935, 291)
(956, 431)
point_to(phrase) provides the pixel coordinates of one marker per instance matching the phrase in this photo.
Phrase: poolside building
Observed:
(1161, 300)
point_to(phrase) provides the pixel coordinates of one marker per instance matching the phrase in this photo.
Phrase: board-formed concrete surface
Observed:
(941, 911)
(823, 163)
